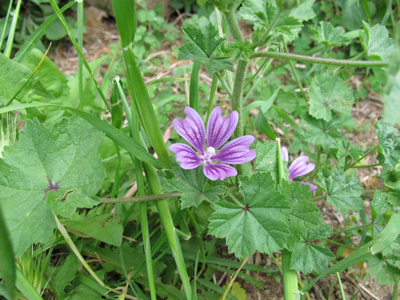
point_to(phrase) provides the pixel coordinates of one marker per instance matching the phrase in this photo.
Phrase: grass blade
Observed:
(7, 265)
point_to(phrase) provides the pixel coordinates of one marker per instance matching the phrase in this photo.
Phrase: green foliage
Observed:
(343, 190)
(204, 45)
(193, 186)
(325, 33)
(64, 156)
(260, 223)
(389, 144)
(376, 42)
(329, 93)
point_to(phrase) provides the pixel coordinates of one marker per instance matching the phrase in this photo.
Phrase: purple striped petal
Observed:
(236, 151)
(219, 128)
(299, 167)
(192, 129)
(186, 156)
(220, 171)
(312, 187)
(285, 153)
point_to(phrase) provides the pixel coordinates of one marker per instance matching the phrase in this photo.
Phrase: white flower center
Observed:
(210, 152)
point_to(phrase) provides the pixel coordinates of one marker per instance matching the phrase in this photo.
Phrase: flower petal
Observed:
(236, 151)
(312, 187)
(220, 171)
(285, 153)
(219, 128)
(192, 129)
(299, 167)
(186, 156)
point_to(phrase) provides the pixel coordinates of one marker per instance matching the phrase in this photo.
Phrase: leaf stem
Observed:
(363, 166)
(140, 199)
(80, 45)
(320, 60)
(11, 34)
(341, 286)
(211, 100)
(290, 280)
(194, 86)
(234, 278)
(362, 157)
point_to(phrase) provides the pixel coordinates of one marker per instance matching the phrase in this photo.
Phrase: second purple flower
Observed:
(219, 130)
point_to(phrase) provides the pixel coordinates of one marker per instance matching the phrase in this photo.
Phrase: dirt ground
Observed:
(102, 31)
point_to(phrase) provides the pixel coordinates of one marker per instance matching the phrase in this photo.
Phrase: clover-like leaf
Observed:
(376, 41)
(325, 33)
(259, 224)
(343, 190)
(329, 93)
(193, 186)
(202, 45)
(304, 215)
(62, 163)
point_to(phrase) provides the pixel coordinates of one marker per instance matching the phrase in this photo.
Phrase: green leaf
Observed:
(321, 132)
(343, 190)
(13, 76)
(65, 274)
(266, 160)
(379, 206)
(106, 227)
(389, 144)
(259, 224)
(203, 45)
(309, 257)
(329, 93)
(376, 42)
(391, 94)
(387, 271)
(325, 33)
(193, 186)
(304, 215)
(67, 157)
(263, 13)
(343, 148)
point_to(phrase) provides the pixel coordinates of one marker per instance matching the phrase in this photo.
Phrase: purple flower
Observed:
(219, 129)
(299, 167)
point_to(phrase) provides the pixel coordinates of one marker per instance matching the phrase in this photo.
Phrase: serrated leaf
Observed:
(202, 45)
(106, 227)
(321, 132)
(193, 186)
(260, 224)
(387, 271)
(325, 33)
(329, 93)
(379, 206)
(13, 75)
(304, 215)
(262, 14)
(66, 156)
(376, 42)
(343, 190)
(343, 149)
(309, 257)
(389, 144)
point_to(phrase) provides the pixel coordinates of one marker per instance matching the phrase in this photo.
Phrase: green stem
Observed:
(294, 72)
(363, 166)
(211, 101)
(362, 157)
(225, 85)
(3, 33)
(240, 75)
(290, 280)
(80, 45)
(341, 286)
(234, 278)
(86, 64)
(11, 34)
(168, 224)
(140, 199)
(198, 233)
(395, 291)
(194, 86)
(318, 198)
(319, 60)
(350, 229)
(270, 27)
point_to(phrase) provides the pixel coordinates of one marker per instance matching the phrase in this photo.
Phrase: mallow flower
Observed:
(219, 130)
(299, 167)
